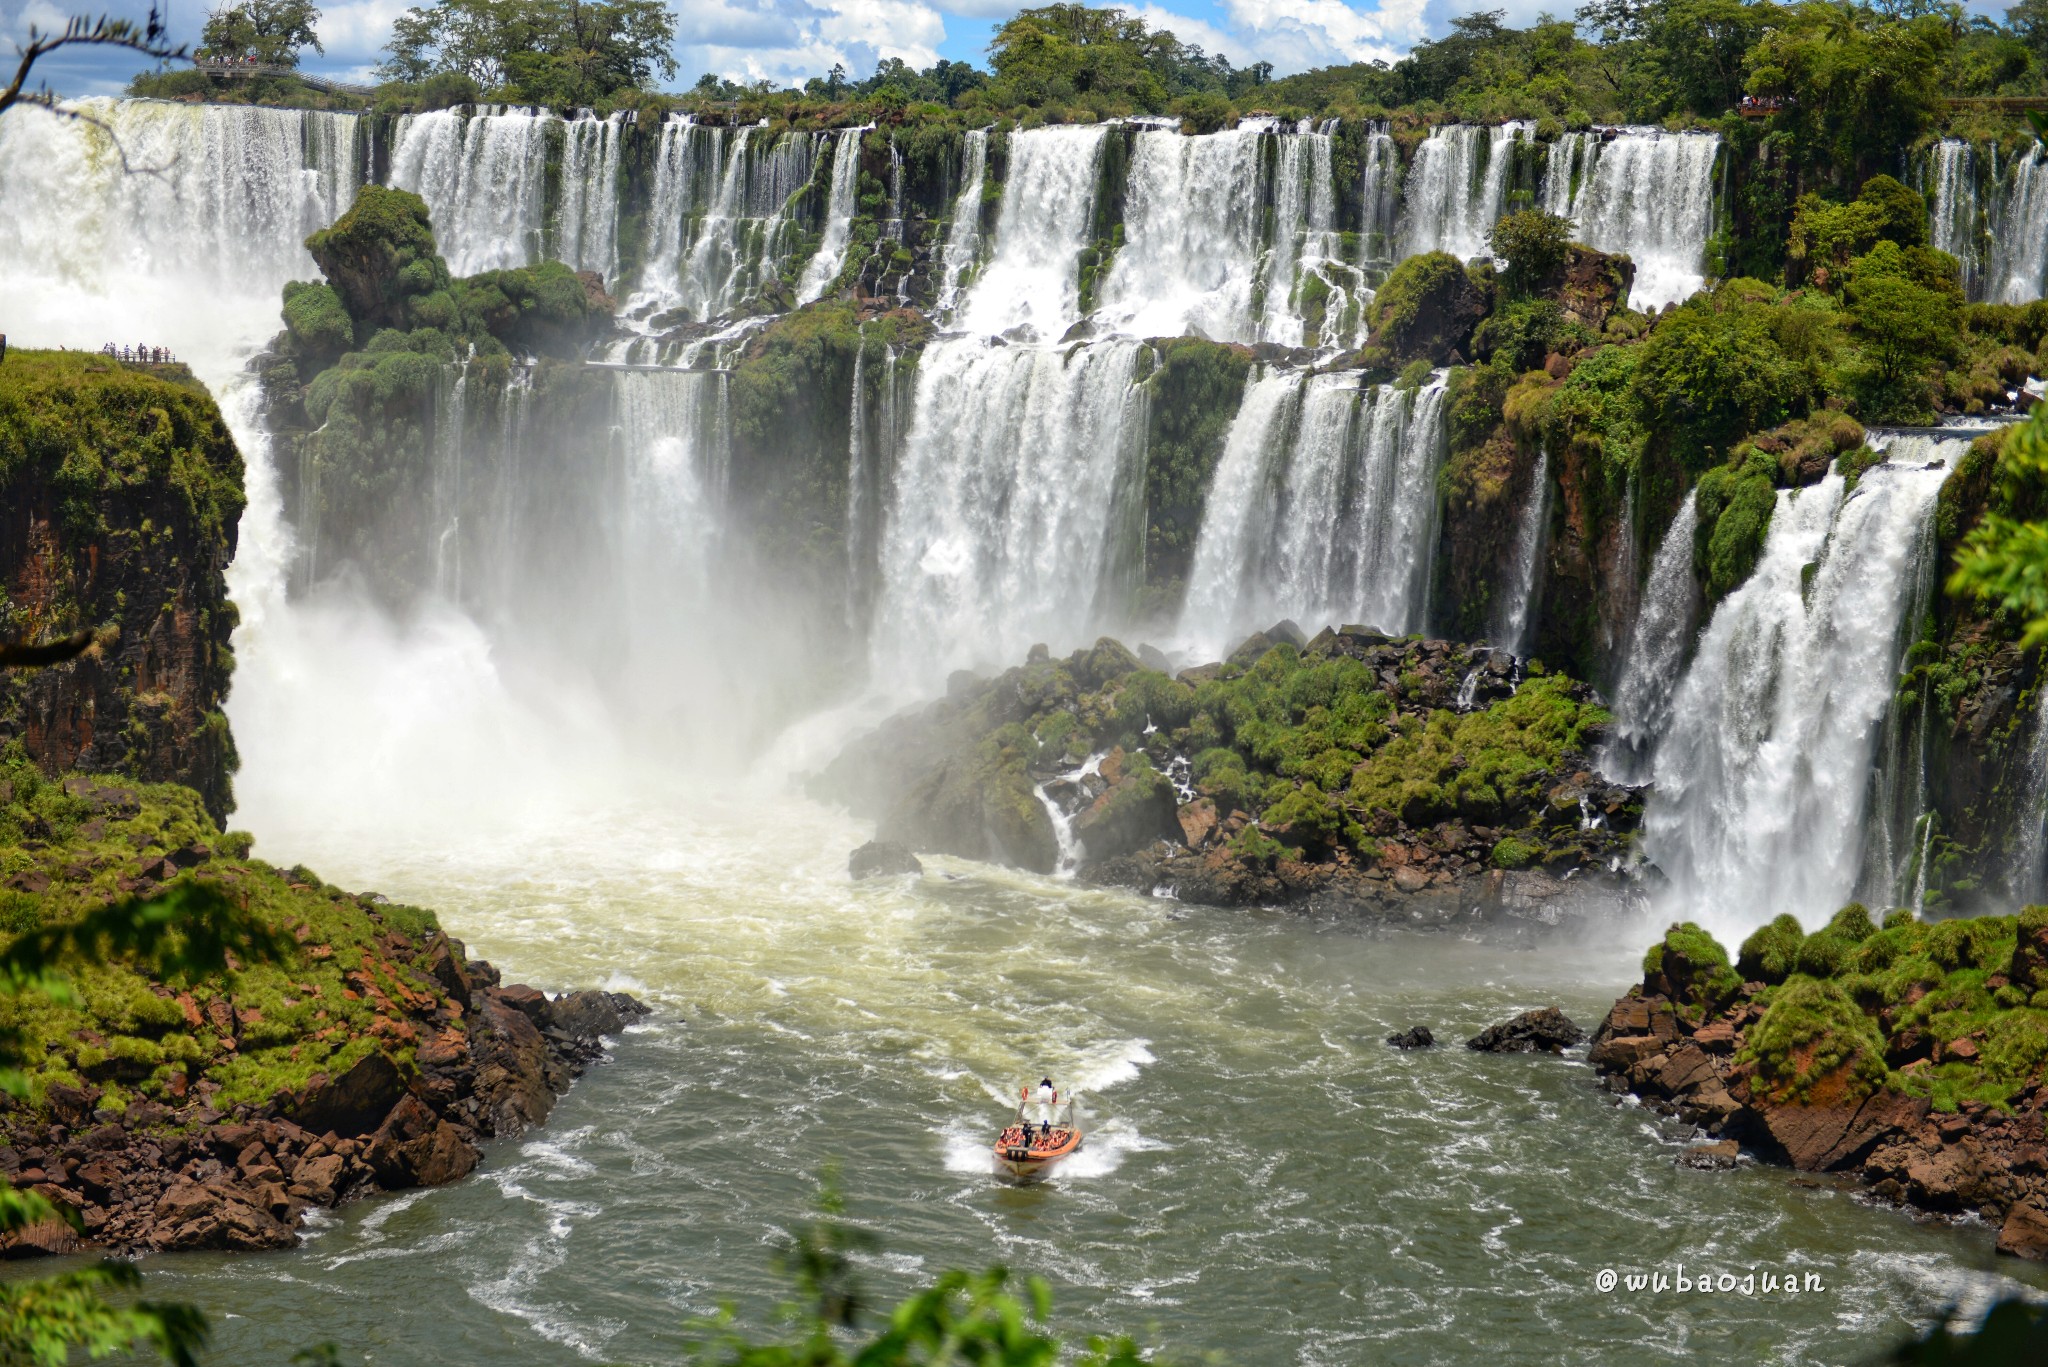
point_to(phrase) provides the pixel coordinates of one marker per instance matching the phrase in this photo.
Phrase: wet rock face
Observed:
(141, 560)
(157, 1179)
(1977, 1161)
(882, 859)
(1545, 1031)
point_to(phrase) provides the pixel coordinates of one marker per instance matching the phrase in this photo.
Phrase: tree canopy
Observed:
(271, 31)
(559, 52)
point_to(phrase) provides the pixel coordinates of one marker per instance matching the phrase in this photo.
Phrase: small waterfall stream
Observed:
(963, 235)
(1643, 192)
(1515, 620)
(824, 267)
(1953, 224)
(1763, 775)
(1656, 651)
(2019, 234)
(587, 222)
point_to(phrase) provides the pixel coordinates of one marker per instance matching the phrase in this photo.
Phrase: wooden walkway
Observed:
(246, 70)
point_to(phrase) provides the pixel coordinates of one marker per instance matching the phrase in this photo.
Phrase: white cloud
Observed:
(1200, 32)
(357, 28)
(788, 42)
(1297, 34)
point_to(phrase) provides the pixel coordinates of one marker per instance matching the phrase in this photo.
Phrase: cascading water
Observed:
(963, 235)
(1515, 620)
(2019, 233)
(2030, 852)
(1458, 187)
(1953, 225)
(1322, 509)
(1033, 278)
(1017, 457)
(1191, 236)
(717, 221)
(1644, 192)
(1306, 246)
(824, 267)
(1762, 778)
(1656, 652)
(484, 178)
(213, 204)
(587, 222)
(1380, 207)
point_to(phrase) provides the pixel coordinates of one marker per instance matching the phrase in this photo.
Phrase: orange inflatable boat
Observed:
(1028, 1151)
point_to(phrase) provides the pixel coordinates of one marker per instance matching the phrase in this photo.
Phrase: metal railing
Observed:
(245, 70)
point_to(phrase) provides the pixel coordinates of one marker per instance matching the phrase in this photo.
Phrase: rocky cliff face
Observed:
(373, 1056)
(1906, 1058)
(120, 490)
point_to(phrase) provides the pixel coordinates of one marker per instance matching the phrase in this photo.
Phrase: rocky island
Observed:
(1907, 1056)
(1408, 779)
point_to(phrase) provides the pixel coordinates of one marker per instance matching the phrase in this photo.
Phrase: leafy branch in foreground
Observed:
(80, 32)
(2005, 557)
(962, 1317)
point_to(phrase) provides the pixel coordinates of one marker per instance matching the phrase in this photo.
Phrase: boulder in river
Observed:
(1414, 1037)
(1548, 1031)
(882, 859)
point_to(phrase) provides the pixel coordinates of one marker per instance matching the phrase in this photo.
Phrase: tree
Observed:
(1907, 308)
(1859, 85)
(272, 31)
(560, 52)
(1532, 243)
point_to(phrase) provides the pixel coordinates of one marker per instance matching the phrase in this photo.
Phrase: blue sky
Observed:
(784, 40)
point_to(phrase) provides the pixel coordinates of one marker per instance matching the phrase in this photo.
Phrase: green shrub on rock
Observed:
(1427, 308)
(1694, 970)
(1510, 853)
(1814, 1045)
(1771, 952)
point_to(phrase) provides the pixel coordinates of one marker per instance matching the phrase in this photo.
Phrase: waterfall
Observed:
(999, 535)
(1656, 652)
(2019, 233)
(194, 245)
(856, 477)
(450, 430)
(1644, 192)
(587, 223)
(1380, 207)
(718, 217)
(1952, 164)
(484, 178)
(1305, 243)
(1191, 236)
(1033, 278)
(1516, 617)
(824, 268)
(1322, 509)
(2030, 855)
(228, 189)
(963, 235)
(1458, 187)
(1764, 772)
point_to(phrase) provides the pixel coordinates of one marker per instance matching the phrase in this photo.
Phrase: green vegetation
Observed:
(1695, 971)
(274, 32)
(1194, 395)
(557, 52)
(2003, 559)
(1531, 244)
(1427, 309)
(1953, 1010)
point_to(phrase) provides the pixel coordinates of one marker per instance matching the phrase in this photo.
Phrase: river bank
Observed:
(1907, 1059)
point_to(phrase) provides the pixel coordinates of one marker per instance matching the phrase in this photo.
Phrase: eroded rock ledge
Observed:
(373, 1054)
(1907, 1059)
(150, 1178)
(1419, 781)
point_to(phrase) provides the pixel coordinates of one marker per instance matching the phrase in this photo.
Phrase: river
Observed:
(1263, 1177)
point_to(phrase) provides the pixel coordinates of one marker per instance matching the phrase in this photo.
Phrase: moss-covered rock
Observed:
(120, 493)
(1771, 952)
(381, 259)
(1427, 309)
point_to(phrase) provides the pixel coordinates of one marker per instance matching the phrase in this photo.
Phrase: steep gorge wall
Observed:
(120, 490)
